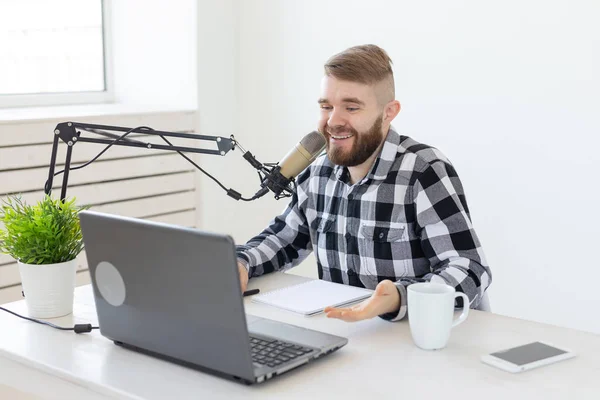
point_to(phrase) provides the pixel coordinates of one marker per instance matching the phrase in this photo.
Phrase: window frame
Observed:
(68, 98)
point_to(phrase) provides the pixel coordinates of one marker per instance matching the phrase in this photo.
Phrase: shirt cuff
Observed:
(401, 313)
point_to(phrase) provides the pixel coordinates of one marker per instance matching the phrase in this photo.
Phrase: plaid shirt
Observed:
(406, 221)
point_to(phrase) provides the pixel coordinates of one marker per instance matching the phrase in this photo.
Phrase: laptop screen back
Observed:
(169, 290)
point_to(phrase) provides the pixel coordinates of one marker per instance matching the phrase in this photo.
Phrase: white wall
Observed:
(153, 49)
(506, 89)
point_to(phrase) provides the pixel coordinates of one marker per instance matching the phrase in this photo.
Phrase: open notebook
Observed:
(312, 297)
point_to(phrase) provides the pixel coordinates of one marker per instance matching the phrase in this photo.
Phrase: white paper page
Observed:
(312, 297)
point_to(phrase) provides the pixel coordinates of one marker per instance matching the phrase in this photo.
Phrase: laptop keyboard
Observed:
(273, 352)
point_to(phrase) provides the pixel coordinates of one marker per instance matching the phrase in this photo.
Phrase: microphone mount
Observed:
(271, 179)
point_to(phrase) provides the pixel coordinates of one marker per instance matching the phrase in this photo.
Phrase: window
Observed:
(53, 52)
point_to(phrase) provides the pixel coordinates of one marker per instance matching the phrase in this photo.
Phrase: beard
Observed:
(365, 144)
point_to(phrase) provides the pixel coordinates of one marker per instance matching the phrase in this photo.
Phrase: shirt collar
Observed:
(383, 163)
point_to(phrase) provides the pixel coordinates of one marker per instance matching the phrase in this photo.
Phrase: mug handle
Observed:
(465, 312)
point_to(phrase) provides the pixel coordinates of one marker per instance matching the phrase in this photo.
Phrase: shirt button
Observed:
(381, 235)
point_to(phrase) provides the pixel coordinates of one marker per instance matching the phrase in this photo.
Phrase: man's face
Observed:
(351, 121)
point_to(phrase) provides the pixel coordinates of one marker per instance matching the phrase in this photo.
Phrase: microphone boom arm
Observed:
(70, 133)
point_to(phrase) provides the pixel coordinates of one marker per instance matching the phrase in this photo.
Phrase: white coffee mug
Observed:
(431, 313)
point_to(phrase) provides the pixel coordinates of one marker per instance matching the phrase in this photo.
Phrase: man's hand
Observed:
(385, 299)
(243, 276)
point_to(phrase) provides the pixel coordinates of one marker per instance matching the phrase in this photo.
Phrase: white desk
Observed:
(20, 382)
(380, 360)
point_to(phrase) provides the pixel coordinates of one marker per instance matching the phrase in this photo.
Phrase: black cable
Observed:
(78, 328)
(230, 192)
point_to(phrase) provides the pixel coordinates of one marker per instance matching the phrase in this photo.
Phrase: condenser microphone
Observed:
(279, 179)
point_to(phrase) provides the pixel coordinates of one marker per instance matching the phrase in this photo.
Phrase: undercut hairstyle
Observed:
(367, 64)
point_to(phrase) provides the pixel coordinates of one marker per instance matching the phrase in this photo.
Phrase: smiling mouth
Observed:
(336, 137)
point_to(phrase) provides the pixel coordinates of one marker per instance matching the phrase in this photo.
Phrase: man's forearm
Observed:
(270, 252)
(472, 281)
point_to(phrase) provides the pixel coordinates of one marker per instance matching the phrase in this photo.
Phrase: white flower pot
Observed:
(48, 288)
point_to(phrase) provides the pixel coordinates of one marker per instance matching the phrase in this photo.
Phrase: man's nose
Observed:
(335, 119)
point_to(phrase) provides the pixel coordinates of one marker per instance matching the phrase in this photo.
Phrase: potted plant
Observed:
(45, 239)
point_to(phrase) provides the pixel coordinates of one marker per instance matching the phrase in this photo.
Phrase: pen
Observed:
(251, 292)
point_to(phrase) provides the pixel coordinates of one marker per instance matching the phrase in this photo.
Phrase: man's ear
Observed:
(391, 110)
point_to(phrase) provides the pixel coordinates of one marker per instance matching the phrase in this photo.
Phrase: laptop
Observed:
(174, 293)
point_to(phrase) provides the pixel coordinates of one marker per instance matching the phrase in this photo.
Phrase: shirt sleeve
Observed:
(285, 242)
(447, 237)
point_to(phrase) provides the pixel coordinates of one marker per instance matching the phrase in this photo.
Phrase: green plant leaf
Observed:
(45, 233)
